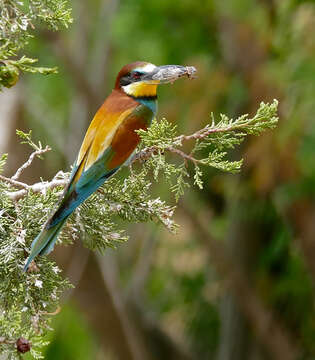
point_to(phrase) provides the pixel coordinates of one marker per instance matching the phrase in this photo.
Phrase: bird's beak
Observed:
(169, 73)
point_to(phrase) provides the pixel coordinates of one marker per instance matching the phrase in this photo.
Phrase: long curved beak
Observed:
(170, 73)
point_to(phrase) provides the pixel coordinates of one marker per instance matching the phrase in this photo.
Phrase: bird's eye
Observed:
(136, 75)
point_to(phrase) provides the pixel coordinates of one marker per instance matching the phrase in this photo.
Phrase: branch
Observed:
(228, 133)
(207, 130)
(43, 186)
(4, 340)
(29, 162)
(265, 118)
(14, 182)
(160, 137)
(147, 152)
(40, 187)
(204, 132)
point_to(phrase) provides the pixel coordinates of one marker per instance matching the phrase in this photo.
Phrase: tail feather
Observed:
(74, 195)
(44, 242)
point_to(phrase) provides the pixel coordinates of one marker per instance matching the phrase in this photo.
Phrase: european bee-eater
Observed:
(109, 141)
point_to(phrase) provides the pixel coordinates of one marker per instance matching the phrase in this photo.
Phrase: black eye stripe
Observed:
(130, 77)
(126, 80)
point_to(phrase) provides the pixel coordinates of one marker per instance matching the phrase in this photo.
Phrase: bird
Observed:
(110, 141)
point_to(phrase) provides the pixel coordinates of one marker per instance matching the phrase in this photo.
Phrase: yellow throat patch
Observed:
(140, 89)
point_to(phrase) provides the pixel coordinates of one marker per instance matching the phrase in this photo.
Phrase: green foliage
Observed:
(3, 160)
(26, 138)
(27, 299)
(17, 19)
(225, 134)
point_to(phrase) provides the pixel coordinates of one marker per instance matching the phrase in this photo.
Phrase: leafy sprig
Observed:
(215, 139)
(17, 21)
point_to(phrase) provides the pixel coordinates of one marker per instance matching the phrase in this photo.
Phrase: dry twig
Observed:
(29, 162)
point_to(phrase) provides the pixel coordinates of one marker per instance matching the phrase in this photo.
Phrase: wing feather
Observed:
(104, 135)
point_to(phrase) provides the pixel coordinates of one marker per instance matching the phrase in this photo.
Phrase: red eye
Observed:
(136, 75)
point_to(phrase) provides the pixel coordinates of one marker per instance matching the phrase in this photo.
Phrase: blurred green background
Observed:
(237, 282)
